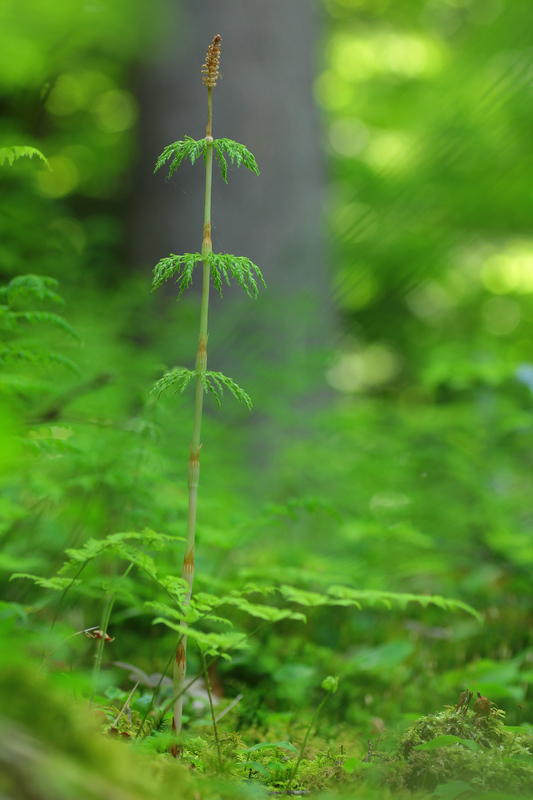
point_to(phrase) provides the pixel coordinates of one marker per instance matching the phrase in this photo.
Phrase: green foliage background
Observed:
(415, 477)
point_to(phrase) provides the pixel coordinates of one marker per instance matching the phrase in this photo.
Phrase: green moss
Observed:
(491, 763)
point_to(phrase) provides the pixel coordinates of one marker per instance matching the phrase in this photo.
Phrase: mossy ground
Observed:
(500, 760)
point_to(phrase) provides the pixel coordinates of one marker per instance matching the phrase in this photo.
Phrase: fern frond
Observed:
(116, 544)
(36, 356)
(48, 317)
(8, 319)
(177, 379)
(216, 643)
(57, 584)
(12, 154)
(34, 286)
(178, 151)
(215, 383)
(237, 153)
(359, 598)
(238, 267)
(183, 265)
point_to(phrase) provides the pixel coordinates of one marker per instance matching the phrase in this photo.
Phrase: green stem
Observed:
(105, 625)
(208, 687)
(304, 745)
(193, 472)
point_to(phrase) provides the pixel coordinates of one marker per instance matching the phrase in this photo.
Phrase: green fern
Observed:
(11, 154)
(238, 267)
(37, 287)
(178, 151)
(358, 598)
(177, 379)
(11, 356)
(183, 265)
(48, 317)
(222, 266)
(193, 149)
(237, 153)
(216, 381)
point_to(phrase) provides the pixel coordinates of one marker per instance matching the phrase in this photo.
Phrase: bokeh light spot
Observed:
(116, 111)
(364, 368)
(332, 92)
(348, 137)
(60, 179)
(501, 315)
(510, 270)
(388, 151)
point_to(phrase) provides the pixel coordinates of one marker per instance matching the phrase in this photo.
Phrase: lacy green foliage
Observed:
(130, 547)
(201, 609)
(359, 598)
(222, 266)
(446, 747)
(10, 356)
(11, 154)
(179, 378)
(238, 267)
(193, 149)
(14, 322)
(178, 151)
(183, 265)
(215, 382)
(236, 152)
(34, 317)
(37, 287)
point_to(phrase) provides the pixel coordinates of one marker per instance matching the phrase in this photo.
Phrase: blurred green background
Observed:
(391, 371)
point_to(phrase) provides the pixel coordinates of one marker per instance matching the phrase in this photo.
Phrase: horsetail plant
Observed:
(215, 266)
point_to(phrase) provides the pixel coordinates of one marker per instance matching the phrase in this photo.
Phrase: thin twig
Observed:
(126, 704)
(212, 708)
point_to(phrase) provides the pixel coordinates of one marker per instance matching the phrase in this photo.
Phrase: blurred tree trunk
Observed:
(265, 101)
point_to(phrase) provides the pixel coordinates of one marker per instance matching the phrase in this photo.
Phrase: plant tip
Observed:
(210, 68)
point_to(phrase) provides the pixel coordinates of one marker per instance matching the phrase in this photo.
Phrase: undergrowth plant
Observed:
(215, 266)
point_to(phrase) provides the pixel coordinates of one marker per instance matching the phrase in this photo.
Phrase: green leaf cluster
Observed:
(223, 266)
(17, 350)
(338, 595)
(177, 379)
(192, 149)
(11, 154)
(215, 382)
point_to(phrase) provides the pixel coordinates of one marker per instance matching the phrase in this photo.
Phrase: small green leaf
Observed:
(452, 789)
(12, 154)
(263, 745)
(524, 759)
(445, 741)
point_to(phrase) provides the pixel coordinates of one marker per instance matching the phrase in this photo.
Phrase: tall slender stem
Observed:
(193, 471)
